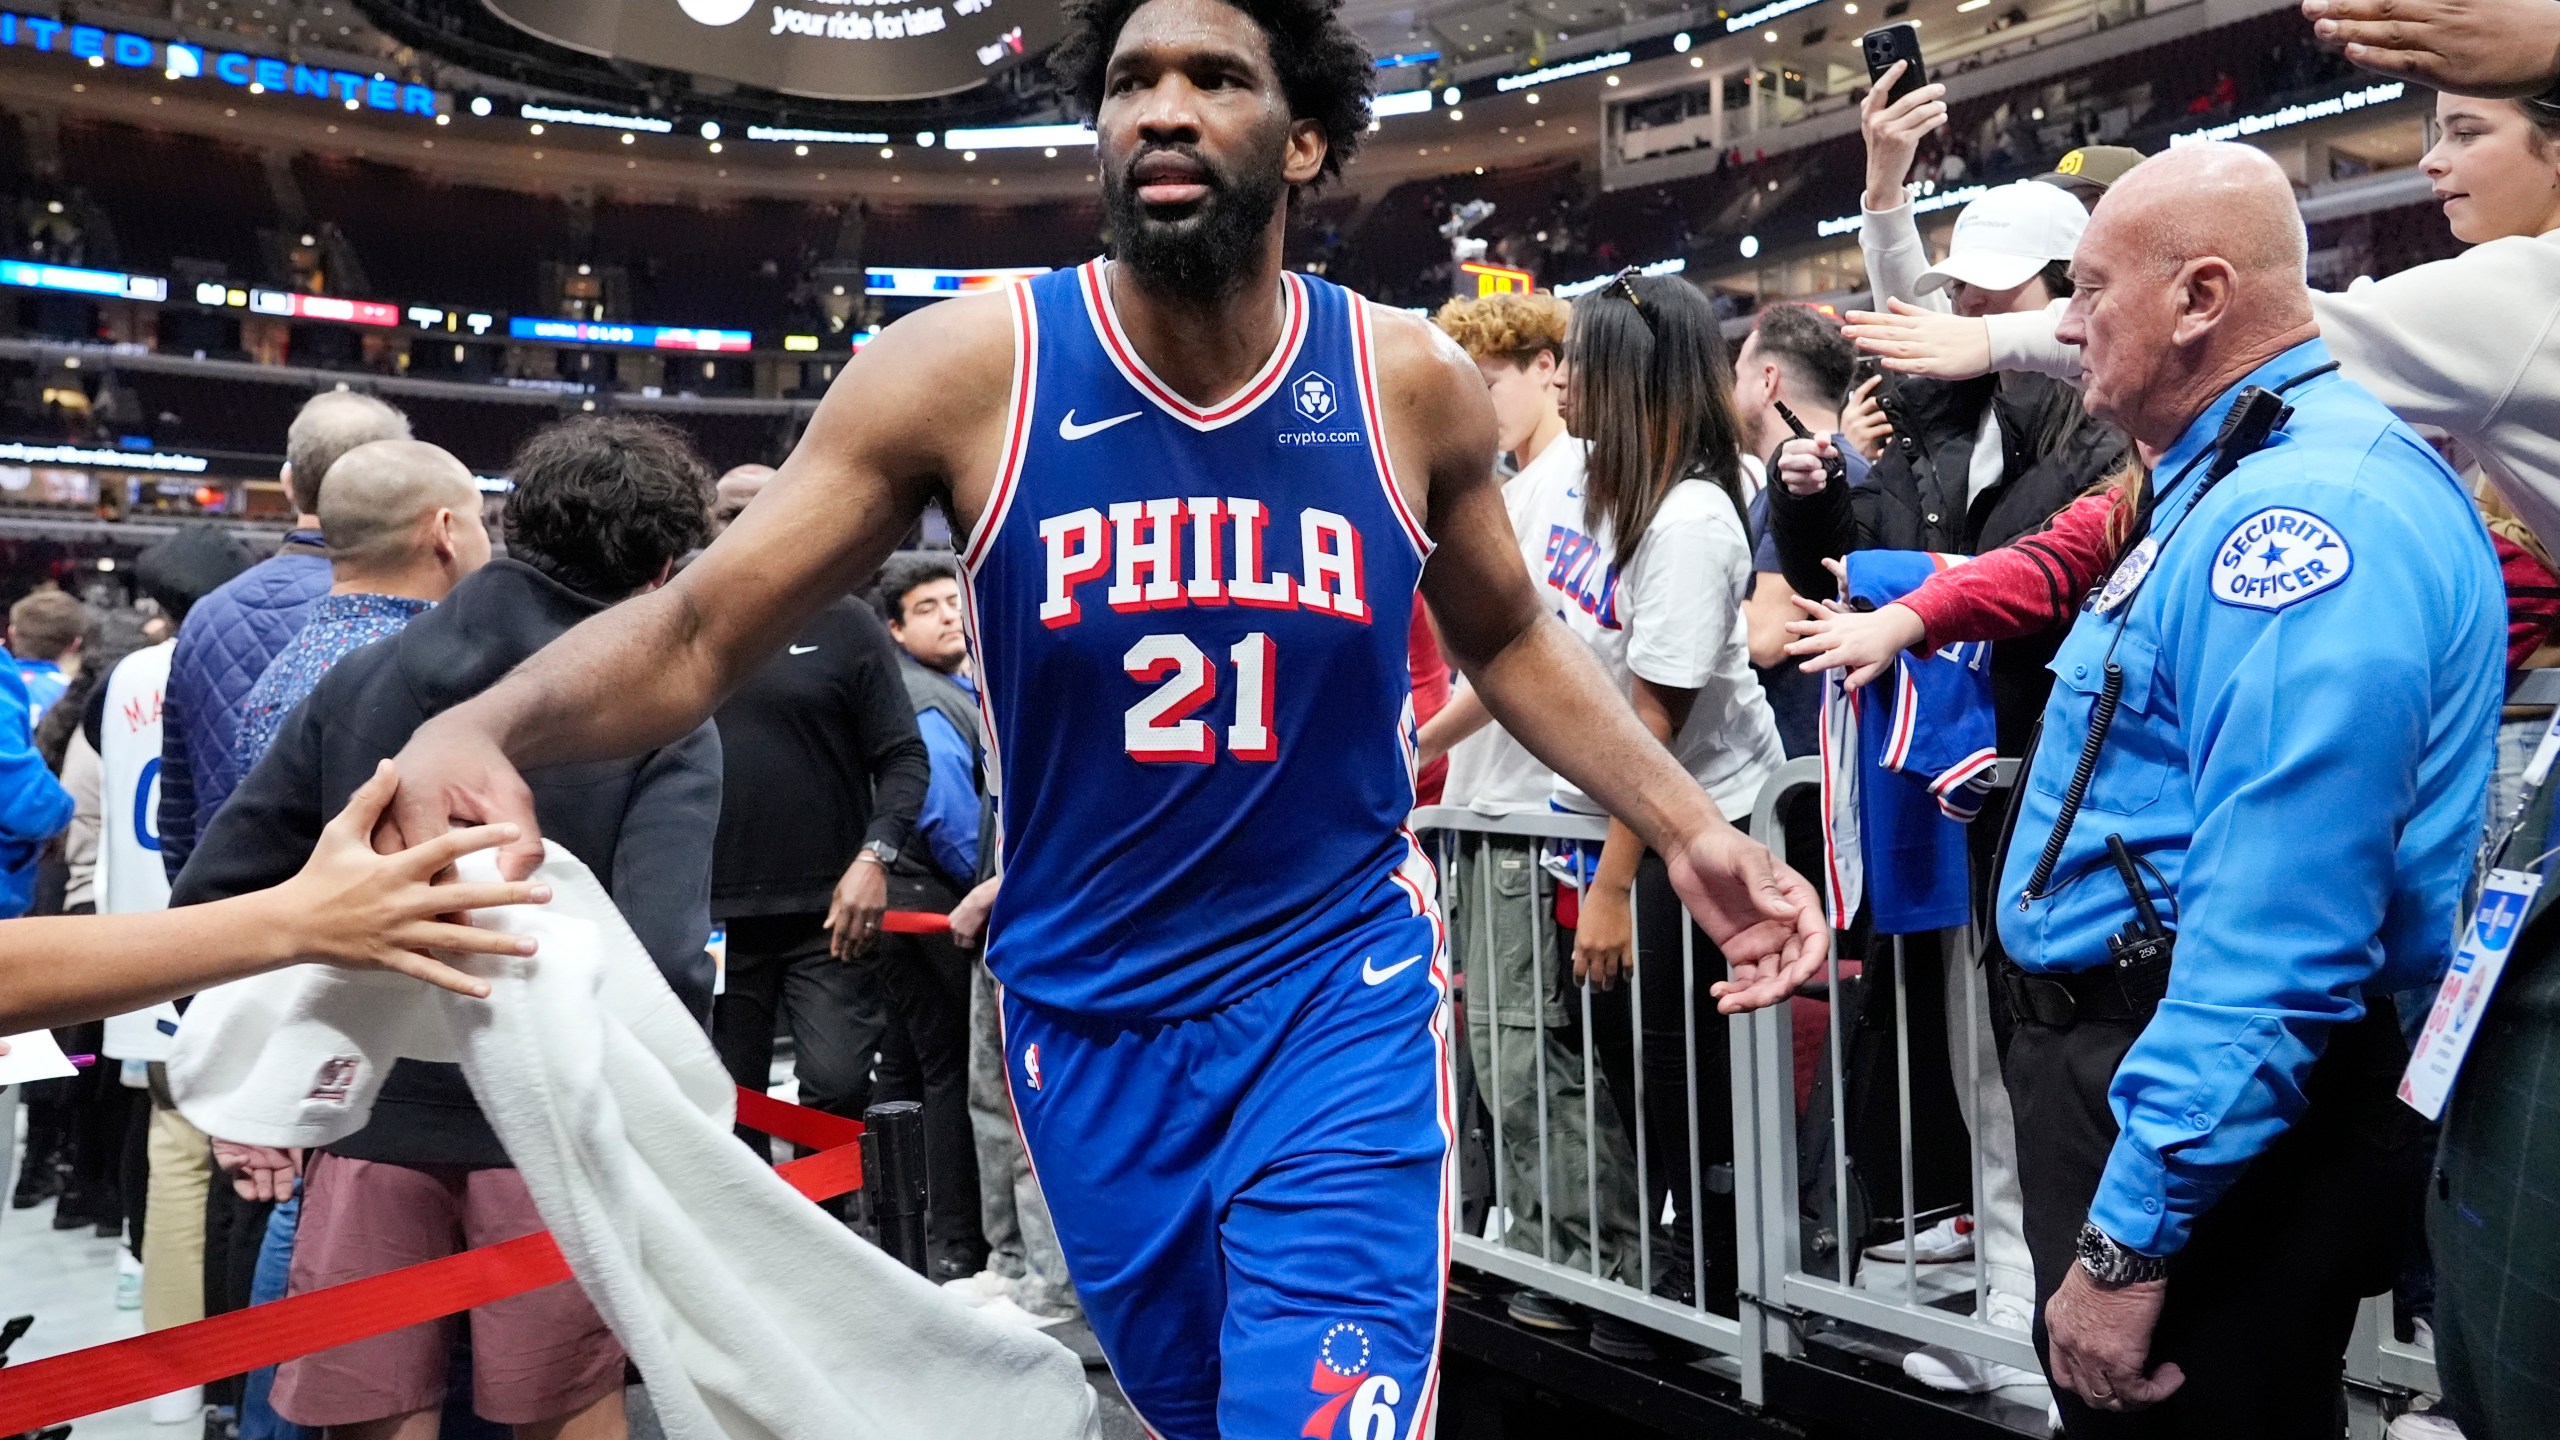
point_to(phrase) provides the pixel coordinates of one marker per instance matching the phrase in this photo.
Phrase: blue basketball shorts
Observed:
(1256, 1204)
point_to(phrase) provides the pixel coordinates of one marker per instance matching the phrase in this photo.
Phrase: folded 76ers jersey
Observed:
(1905, 763)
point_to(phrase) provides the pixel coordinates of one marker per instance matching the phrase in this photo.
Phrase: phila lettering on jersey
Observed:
(1189, 625)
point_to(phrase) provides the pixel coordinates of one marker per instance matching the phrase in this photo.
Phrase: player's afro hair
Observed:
(1324, 68)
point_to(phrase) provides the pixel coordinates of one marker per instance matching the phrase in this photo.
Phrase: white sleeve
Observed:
(1680, 594)
(2469, 345)
(2024, 341)
(1890, 241)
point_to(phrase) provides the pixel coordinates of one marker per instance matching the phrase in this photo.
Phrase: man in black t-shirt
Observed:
(824, 773)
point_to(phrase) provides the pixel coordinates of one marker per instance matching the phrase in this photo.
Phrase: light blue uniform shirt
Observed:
(2312, 675)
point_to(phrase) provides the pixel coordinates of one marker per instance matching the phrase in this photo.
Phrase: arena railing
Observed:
(1787, 1298)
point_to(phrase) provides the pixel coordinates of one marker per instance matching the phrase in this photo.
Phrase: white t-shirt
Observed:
(130, 878)
(1489, 772)
(1674, 617)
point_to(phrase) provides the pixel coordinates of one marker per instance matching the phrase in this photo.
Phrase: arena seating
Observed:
(173, 197)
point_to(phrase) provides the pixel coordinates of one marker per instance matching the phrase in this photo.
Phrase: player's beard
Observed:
(1207, 251)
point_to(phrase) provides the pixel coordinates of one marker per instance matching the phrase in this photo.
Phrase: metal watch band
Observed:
(2110, 1263)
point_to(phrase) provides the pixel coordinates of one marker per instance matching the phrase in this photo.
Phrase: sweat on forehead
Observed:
(2213, 198)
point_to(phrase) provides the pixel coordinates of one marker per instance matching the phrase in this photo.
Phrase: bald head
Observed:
(331, 424)
(397, 509)
(737, 487)
(2212, 199)
(2191, 275)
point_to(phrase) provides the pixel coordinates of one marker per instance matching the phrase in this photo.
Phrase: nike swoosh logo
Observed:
(1370, 972)
(1068, 429)
(804, 649)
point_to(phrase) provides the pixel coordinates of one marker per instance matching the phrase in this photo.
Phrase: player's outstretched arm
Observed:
(1545, 688)
(900, 420)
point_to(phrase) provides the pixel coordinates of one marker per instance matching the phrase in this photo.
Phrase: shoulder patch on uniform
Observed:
(2277, 557)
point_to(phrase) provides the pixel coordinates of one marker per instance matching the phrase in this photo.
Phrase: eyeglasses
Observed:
(1624, 284)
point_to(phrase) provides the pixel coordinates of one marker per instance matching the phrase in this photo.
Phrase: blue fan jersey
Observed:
(1189, 626)
(1923, 750)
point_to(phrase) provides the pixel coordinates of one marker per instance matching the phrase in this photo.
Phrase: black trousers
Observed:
(925, 980)
(233, 1230)
(779, 970)
(1674, 1012)
(2263, 1297)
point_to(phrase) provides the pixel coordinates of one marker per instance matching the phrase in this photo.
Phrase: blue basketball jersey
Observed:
(1189, 625)
(1910, 756)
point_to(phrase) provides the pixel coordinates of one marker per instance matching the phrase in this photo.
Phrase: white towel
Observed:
(751, 1314)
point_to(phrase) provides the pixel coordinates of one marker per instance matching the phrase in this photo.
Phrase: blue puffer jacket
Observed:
(33, 805)
(225, 645)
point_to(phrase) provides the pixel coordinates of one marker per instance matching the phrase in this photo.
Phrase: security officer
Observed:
(2268, 746)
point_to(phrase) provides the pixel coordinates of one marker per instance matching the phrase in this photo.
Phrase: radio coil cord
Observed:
(2251, 422)
(2110, 694)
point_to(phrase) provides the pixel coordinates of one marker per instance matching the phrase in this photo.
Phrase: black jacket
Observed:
(1915, 499)
(822, 755)
(643, 825)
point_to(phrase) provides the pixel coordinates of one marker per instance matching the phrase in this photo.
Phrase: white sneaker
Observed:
(128, 1280)
(978, 1289)
(178, 1407)
(2423, 1425)
(1943, 1369)
(1944, 1243)
(1003, 1311)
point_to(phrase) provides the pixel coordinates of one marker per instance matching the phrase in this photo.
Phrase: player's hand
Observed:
(350, 906)
(1763, 915)
(1893, 130)
(2496, 49)
(1800, 465)
(258, 1172)
(451, 770)
(2098, 1339)
(1863, 422)
(853, 914)
(1909, 340)
(1862, 642)
(1601, 935)
(969, 917)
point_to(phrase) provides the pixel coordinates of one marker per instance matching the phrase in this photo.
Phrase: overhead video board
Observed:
(830, 49)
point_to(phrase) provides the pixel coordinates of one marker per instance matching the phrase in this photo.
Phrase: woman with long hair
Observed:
(1650, 565)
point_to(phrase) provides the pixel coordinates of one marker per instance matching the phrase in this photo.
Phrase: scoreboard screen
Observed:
(827, 49)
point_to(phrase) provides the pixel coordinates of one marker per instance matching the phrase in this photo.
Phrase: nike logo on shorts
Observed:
(1370, 972)
(1068, 429)
(804, 649)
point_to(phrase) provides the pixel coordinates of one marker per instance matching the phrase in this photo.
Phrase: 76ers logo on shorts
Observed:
(1342, 1376)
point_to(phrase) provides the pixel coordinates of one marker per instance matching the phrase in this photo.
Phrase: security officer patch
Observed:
(2278, 557)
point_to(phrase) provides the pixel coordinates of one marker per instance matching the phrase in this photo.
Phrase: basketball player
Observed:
(1197, 494)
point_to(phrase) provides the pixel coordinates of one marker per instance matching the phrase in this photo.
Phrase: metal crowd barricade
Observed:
(1787, 1299)
(1736, 1344)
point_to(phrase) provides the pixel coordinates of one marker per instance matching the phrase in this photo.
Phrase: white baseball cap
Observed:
(2005, 237)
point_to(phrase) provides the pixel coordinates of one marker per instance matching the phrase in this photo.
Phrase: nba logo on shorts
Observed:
(1031, 1065)
(1313, 396)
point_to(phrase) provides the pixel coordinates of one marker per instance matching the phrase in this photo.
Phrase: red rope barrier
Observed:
(65, 1387)
(914, 922)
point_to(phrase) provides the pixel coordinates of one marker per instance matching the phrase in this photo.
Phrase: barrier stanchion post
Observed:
(893, 1166)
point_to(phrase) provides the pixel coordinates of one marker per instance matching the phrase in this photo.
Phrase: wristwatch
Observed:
(2112, 1265)
(882, 851)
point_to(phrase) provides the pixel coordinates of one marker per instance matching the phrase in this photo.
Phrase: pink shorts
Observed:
(534, 1357)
